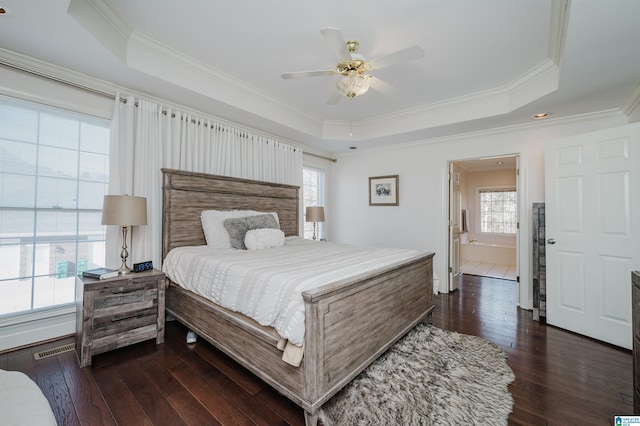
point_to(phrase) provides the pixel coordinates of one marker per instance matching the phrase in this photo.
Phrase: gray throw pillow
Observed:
(238, 227)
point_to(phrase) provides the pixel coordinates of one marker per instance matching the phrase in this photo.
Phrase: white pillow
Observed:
(213, 225)
(260, 239)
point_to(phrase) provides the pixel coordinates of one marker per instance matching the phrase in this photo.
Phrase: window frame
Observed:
(499, 188)
(85, 236)
(321, 202)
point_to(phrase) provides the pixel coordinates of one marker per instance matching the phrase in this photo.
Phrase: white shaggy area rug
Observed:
(430, 377)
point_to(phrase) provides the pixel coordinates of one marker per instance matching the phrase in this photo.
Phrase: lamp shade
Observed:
(353, 85)
(314, 214)
(124, 210)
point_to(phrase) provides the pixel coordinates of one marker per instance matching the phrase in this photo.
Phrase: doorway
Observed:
(483, 218)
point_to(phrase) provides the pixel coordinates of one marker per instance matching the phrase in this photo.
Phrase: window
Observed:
(313, 195)
(498, 211)
(54, 172)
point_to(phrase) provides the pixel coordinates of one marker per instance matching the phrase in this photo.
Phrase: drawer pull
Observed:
(123, 291)
(134, 315)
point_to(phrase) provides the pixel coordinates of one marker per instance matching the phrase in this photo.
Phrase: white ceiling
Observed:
(487, 64)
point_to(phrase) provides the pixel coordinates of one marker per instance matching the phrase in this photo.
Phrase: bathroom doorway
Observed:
(489, 221)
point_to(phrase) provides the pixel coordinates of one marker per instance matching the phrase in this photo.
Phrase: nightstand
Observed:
(118, 312)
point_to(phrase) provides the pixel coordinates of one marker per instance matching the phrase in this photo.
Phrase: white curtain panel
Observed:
(147, 137)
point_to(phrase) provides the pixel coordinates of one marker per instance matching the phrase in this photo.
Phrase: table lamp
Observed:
(124, 211)
(314, 214)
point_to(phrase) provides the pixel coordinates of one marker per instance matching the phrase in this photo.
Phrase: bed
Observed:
(347, 324)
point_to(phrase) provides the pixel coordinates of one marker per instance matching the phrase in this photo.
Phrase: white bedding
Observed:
(267, 285)
(22, 402)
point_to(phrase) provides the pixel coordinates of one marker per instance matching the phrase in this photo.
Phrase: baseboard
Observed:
(34, 327)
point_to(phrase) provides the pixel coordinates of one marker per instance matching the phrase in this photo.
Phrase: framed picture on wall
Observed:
(383, 191)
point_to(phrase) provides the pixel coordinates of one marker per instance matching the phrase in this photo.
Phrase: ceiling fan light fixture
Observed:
(353, 85)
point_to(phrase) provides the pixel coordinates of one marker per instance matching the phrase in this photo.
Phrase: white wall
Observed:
(419, 222)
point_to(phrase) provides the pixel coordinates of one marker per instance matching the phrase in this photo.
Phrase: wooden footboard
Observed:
(348, 325)
(351, 323)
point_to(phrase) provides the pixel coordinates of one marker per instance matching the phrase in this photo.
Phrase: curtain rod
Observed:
(95, 91)
(57, 79)
(333, 160)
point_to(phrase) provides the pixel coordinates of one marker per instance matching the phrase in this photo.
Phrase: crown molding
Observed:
(110, 16)
(56, 73)
(541, 80)
(560, 12)
(535, 83)
(100, 20)
(106, 89)
(147, 55)
(633, 101)
(607, 115)
(166, 63)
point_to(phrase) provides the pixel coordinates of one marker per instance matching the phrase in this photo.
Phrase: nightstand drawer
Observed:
(138, 296)
(122, 302)
(119, 322)
(125, 338)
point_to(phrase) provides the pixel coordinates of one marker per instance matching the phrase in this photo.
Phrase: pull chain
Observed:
(350, 118)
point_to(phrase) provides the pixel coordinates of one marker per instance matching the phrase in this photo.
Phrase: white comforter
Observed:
(267, 285)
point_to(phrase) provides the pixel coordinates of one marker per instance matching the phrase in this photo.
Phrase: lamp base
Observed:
(124, 254)
(124, 270)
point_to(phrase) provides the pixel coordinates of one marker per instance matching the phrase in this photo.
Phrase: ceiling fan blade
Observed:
(334, 98)
(337, 43)
(404, 55)
(382, 86)
(307, 74)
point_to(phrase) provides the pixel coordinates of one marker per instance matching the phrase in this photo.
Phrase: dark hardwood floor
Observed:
(561, 377)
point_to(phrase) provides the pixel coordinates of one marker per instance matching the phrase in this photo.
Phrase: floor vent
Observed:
(54, 351)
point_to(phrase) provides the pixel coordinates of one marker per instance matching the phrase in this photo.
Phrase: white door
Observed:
(592, 185)
(454, 227)
(518, 210)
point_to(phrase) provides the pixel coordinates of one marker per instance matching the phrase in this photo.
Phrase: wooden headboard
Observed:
(187, 194)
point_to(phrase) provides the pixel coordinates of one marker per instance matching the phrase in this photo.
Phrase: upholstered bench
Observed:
(22, 401)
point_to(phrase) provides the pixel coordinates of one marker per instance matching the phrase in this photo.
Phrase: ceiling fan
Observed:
(354, 67)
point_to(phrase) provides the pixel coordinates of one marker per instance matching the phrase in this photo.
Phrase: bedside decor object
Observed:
(124, 211)
(100, 273)
(383, 191)
(315, 215)
(143, 266)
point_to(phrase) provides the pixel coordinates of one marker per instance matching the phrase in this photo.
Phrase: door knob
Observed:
(551, 241)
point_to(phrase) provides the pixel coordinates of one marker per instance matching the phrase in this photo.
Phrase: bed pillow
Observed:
(215, 233)
(260, 239)
(238, 227)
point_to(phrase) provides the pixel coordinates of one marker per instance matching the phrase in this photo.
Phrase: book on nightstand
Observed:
(100, 273)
